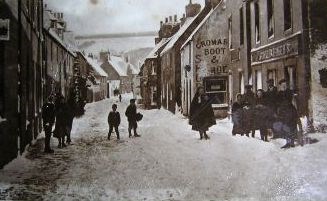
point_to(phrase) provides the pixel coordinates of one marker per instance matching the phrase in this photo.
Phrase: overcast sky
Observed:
(112, 16)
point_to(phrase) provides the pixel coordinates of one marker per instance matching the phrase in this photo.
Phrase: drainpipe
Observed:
(19, 59)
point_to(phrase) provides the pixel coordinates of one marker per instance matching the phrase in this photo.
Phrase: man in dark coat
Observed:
(249, 104)
(201, 113)
(48, 116)
(61, 122)
(237, 111)
(261, 115)
(114, 121)
(70, 114)
(287, 114)
(131, 117)
(271, 95)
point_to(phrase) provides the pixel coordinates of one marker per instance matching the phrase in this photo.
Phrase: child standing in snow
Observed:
(113, 121)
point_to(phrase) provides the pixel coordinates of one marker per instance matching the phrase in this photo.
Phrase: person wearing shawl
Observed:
(201, 113)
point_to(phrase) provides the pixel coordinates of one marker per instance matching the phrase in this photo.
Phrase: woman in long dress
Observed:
(201, 113)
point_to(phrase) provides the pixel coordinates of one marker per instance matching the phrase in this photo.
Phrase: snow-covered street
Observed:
(168, 162)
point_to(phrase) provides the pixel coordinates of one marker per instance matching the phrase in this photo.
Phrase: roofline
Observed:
(60, 42)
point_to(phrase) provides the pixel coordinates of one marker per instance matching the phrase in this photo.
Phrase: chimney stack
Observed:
(175, 18)
(161, 23)
(170, 18)
(166, 20)
(193, 9)
(215, 3)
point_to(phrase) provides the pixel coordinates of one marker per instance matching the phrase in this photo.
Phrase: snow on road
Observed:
(168, 162)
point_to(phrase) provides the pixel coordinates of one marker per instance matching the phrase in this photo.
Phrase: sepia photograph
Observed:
(163, 100)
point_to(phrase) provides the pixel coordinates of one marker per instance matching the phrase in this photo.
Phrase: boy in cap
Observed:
(131, 117)
(113, 121)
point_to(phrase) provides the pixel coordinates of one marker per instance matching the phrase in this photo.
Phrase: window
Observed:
(257, 22)
(270, 18)
(258, 79)
(241, 83)
(287, 15)
(272, 74)
(216, 89)
(241, 26)
(290, 76)
(230, 32)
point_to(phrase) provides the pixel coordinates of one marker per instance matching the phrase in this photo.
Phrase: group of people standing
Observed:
(59, 113)
(272, 110)
(268, 111)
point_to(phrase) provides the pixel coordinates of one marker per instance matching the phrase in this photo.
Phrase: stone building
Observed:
(279, 44)
(150, 73)
(216, 56)
(59, 57)
(98, 77)
(170, 56)
(21, 75)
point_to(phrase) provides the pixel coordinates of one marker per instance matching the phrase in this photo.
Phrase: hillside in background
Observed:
(115, 45)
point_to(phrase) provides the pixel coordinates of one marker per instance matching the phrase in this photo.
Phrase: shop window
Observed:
(241, 26)
(241, 83)
(258, 79)
(216, 89)
(290, 76)
(287, 14)
(257, 22)
(272, 74)
(270, 18)
(230, 32)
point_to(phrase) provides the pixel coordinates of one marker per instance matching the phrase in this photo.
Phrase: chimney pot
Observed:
(170, 18)
(161, 23)
(166, 19)
(175, 18)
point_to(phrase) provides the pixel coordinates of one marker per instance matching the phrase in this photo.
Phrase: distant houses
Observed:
(121, 73)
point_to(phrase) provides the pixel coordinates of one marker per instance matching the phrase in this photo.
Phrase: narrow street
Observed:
(167, 162)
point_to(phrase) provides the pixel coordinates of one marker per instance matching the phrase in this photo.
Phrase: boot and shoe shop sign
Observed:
(4, 29)
(277, 50)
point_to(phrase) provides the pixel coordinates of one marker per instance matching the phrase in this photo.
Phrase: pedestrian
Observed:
(114, 121)
(131, 114)
(237, 110)
(48, 116)
(69, 117)
(120, 97)
(261, 115)
(271, 95)
(201, 113)
(60, 126)
(249, 103)
(287, 114)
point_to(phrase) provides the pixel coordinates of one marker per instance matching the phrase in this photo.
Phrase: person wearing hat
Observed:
(114, 121)
(48, 116)
(287, 114)
(271, 95)
(131, 115)
(248, 102)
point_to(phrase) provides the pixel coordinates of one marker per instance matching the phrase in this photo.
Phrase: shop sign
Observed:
(289, 47)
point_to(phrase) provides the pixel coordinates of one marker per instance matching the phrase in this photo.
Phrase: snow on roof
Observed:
(179, 33)
(96, 66)
(58, 39)
(154, 52)
(121, 66)
(200, 25)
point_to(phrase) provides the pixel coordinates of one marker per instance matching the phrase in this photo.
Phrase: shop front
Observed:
(282, 59)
